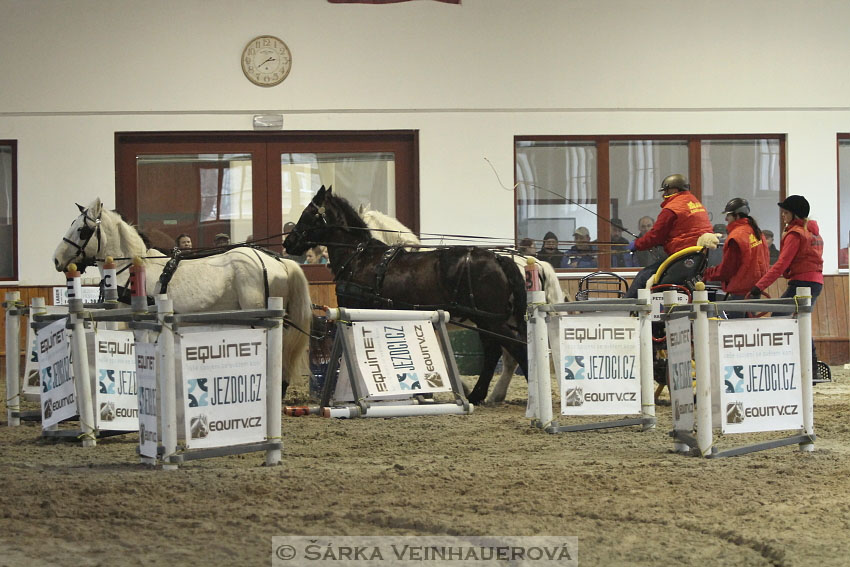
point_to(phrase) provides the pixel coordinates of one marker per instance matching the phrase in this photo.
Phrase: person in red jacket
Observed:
(745, 255)
(679, 225)
(800, 255)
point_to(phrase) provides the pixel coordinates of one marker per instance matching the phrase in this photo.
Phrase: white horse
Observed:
(390, 231)
(235, 279)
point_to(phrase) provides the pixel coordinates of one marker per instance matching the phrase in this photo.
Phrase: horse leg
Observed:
(520, 353)
(500, 390)
(492, 352)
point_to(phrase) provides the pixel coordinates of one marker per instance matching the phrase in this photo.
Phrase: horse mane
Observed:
(134, 243)
(388, 229)
(352, 219)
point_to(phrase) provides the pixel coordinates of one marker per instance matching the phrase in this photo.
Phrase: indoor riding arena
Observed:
(424, 282)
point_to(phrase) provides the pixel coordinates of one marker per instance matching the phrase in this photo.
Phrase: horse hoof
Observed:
(475, 399)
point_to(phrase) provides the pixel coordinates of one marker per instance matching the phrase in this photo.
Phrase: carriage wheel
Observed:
(763, 313)
(822, 373)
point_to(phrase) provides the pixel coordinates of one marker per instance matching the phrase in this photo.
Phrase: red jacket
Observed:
(682, 221)
(745, 259)
(800, 255)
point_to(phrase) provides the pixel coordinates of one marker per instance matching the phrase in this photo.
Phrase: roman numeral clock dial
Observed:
(266, 61)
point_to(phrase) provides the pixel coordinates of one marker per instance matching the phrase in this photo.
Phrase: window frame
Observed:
(267, 214)
(603, 188)
(838, 138)
(13, 145)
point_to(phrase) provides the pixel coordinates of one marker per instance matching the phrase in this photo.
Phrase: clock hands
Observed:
(266, 61)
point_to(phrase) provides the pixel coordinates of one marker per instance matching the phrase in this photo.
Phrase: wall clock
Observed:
(266, 61)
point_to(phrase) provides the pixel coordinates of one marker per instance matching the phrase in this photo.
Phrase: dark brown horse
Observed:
(470, 283)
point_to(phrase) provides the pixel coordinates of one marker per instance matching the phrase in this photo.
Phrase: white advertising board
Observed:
(145, 356)
(224, 380)
(31, 386)
(89, 295)
(396, 359)
(58, 396)
(598, 365)
(758, 361)
(115, 404)
(679, 380)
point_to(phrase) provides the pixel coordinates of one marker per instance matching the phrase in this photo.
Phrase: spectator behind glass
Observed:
(619, 256)
(184, 242)
(315, 255)
(221, 239)
(526, 247)
(772, 250)
(647, 257)
(549, 252)
(580, 255)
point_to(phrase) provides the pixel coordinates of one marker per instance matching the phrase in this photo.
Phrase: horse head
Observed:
(82, 242)
(327, 218)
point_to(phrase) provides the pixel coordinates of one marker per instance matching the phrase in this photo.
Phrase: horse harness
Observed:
(373, 295)
(178, 255)
(86, 234)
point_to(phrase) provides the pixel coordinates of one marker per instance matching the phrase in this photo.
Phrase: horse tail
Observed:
(299, 310)
(516, 285)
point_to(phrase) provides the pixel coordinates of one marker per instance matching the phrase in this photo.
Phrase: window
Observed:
(843, 199)
(610, 185)
(8, 210)
(248, 184)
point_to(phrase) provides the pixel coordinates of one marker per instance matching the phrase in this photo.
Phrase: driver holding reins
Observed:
(682, 221)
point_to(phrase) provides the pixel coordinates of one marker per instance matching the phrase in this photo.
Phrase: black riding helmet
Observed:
(675, 181)
(737, 206)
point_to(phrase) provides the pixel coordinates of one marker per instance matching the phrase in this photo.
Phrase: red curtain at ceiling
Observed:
(384, 1)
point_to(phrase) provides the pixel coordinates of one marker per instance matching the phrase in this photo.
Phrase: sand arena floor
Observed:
(623, 493)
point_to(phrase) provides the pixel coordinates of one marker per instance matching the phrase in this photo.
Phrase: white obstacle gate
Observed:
(106, 401)
(391, 359)
(609, 355)
(752, 375)
(224, 397)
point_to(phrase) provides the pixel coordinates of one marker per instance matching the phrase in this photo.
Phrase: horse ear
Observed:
(330, 188)
(98, 207)
(82, 208)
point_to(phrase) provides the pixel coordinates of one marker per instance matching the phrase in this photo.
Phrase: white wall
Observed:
(469, 78)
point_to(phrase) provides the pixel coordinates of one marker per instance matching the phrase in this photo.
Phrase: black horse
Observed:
(471, 283)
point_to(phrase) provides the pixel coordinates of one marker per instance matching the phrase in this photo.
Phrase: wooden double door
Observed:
(247, 185)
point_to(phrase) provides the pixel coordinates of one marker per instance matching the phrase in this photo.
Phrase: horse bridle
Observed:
(303, 234)
(86, 233)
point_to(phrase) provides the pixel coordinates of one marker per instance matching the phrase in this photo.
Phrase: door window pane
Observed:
(844, 200)
(366, 178)
(636, 170)
(557, 192)
(8, 259)
(742, 168)
(201, 195)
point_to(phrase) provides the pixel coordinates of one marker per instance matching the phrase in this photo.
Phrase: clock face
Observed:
(266, 61)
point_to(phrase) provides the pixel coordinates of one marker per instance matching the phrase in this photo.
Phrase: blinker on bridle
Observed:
(86, 233)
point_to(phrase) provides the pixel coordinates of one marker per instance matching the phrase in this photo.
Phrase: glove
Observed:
(755, 293)
(632, 246)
